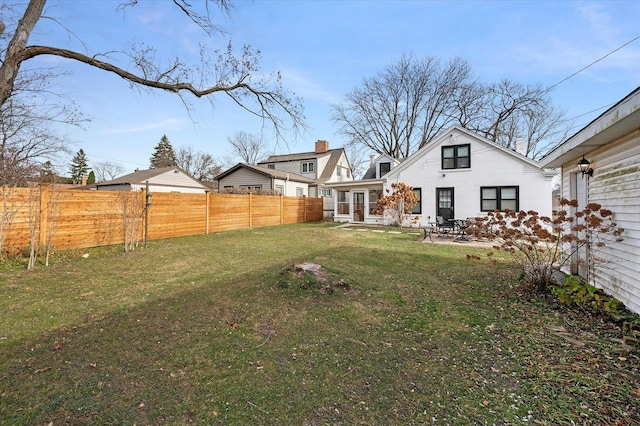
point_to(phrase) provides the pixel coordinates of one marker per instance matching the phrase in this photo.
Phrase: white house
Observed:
(316, 169)
(610, 146)
(249, 177)
(165, 179)
(457, 175)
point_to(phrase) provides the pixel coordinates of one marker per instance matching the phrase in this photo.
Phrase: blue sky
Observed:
(324, 49)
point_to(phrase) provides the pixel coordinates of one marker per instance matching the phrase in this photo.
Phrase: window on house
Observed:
(279, 189)
(456, 157)
(499, 198)
(343, 202)
(374, 196)
(384, 168)
(417, 208)
(299, 191)
(326, 192)
(307, 167)
(251, 188)
(271, 166)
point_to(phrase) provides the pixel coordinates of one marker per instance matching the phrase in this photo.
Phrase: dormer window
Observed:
(307, 167)
(456, 157)
(384, 168)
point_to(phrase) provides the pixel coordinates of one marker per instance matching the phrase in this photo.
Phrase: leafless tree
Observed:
(24, 143)
(53, 206)
(26, 138)
(237, 76)
(133, 206)
(249, 147)
(11, 204)
(411, 102)
(359, 159)
(107, 170)
(201, 165)
(509, 110)
(35, 196)
(403, 107)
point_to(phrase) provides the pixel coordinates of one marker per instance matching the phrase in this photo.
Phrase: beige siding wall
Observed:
(173, 182)
(295, 167)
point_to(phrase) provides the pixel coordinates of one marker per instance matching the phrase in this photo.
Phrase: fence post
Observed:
(281, 209)
(250, 211)
(206, 214)
(304, 204)
(147, 204)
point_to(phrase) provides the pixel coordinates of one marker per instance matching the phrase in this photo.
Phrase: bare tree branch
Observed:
(249, 147)
(262, 95)
(412, 101)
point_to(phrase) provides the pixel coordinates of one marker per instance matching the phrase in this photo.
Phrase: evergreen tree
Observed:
(164, 155)
(79, 166)
(92, 178)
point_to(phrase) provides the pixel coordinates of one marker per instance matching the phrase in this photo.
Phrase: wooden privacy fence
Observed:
(79, 218)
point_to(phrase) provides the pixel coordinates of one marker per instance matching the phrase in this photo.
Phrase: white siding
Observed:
(290, 187)
(343, 164)
(615, 185)
(165, 182)
(368, 218)
(490, 167)
(385, 159)
(165, 188)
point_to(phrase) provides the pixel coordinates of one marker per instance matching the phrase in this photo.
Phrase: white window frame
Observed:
(308, 167)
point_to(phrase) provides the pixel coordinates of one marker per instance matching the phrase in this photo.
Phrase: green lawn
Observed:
(216, 329)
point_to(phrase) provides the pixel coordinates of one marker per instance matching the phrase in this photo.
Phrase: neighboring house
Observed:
(457, 175)
(611, 144)
(165, 179)
(249, 177)
(320, 168)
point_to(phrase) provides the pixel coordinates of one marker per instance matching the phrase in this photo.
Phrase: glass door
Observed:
(444, 200)
(358, 206)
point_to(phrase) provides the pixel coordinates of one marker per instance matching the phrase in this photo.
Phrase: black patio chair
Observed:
(444, 227)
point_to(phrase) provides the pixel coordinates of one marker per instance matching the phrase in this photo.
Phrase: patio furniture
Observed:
(452, 228)
(441, 227)
(461, 226)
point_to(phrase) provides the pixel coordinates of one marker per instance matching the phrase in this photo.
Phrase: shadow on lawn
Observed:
(424, 338)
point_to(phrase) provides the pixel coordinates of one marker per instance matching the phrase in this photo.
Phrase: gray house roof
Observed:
(334, 154)
(277, 174)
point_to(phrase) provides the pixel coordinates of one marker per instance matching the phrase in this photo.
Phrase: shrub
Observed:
(542, 245)
(576, 292)
(242, 191)
(397, 205)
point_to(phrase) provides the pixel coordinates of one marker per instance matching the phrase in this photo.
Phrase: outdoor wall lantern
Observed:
(584, 166)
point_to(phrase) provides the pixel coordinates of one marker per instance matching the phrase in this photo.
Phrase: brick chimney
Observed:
(322, 146)
(83, 180)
